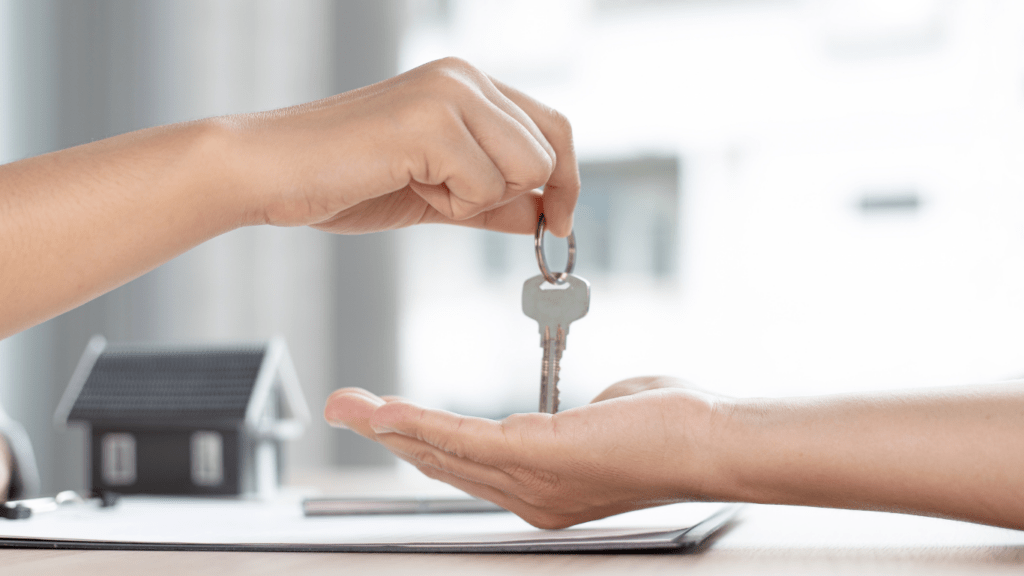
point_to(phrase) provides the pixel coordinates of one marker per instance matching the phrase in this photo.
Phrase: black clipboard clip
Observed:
(22, 509)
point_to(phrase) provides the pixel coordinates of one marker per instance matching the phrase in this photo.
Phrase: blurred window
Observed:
(626, 222)
(778, 198)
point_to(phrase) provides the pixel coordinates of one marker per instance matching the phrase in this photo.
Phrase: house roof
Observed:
(144, 386)
(135, 384)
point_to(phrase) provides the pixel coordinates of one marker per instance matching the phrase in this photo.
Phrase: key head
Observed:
(556, 304)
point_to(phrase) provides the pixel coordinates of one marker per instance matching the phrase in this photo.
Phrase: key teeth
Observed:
(559, 348)
(554, 345)
(554, 385)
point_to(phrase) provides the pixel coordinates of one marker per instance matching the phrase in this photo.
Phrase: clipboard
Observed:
(173, 523)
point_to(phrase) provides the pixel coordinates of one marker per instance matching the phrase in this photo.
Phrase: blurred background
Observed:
(779, 197)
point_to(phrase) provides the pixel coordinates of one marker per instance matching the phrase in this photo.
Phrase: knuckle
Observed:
(432, 473)
(447, 81)
(451, 75)
(428, 458)
(487, 187)
(462, 211)
(465, 208)
(571, 185)
(490, 192)
(448, 445)
(561, 123)
(452, 62)
(440, 446)
(539, 172)
(459, 64)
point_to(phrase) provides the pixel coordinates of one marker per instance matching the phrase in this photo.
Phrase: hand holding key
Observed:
(555, 302)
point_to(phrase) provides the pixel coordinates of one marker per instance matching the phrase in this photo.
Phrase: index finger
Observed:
(563, 188)
(476, 439)
(519, 216)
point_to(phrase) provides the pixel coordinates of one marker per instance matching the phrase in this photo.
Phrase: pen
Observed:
(368, 506)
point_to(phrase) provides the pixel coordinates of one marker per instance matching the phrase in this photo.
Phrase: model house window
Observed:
(118, 459)
(207, 458)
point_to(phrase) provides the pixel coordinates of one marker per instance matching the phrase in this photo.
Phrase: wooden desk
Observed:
(764, 540)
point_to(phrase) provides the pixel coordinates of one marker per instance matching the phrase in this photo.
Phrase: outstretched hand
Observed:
(639, 444)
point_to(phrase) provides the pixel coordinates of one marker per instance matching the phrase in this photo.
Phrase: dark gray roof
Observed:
(168, 386)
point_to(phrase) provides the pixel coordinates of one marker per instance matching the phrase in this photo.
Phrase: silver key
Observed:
(554, 307)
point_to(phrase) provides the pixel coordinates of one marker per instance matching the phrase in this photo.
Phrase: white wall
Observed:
(784, 115)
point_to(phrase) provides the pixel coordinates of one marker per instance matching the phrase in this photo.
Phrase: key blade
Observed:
(554, 344)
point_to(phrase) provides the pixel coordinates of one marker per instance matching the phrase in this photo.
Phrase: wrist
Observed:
(703, 469)
(224, 173)
(775, 451)
(740, 450)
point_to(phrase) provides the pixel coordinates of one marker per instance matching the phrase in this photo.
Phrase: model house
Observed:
(185, 420)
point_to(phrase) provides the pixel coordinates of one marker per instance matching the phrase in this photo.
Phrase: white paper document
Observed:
(227, 524)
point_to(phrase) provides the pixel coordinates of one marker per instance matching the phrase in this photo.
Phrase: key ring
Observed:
(542, 261)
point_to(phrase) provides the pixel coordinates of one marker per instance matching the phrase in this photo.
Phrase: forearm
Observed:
(955, 453)
(79, 222)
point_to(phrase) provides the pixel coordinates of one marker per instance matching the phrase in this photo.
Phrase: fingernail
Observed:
(333, 411)
(381, 429)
